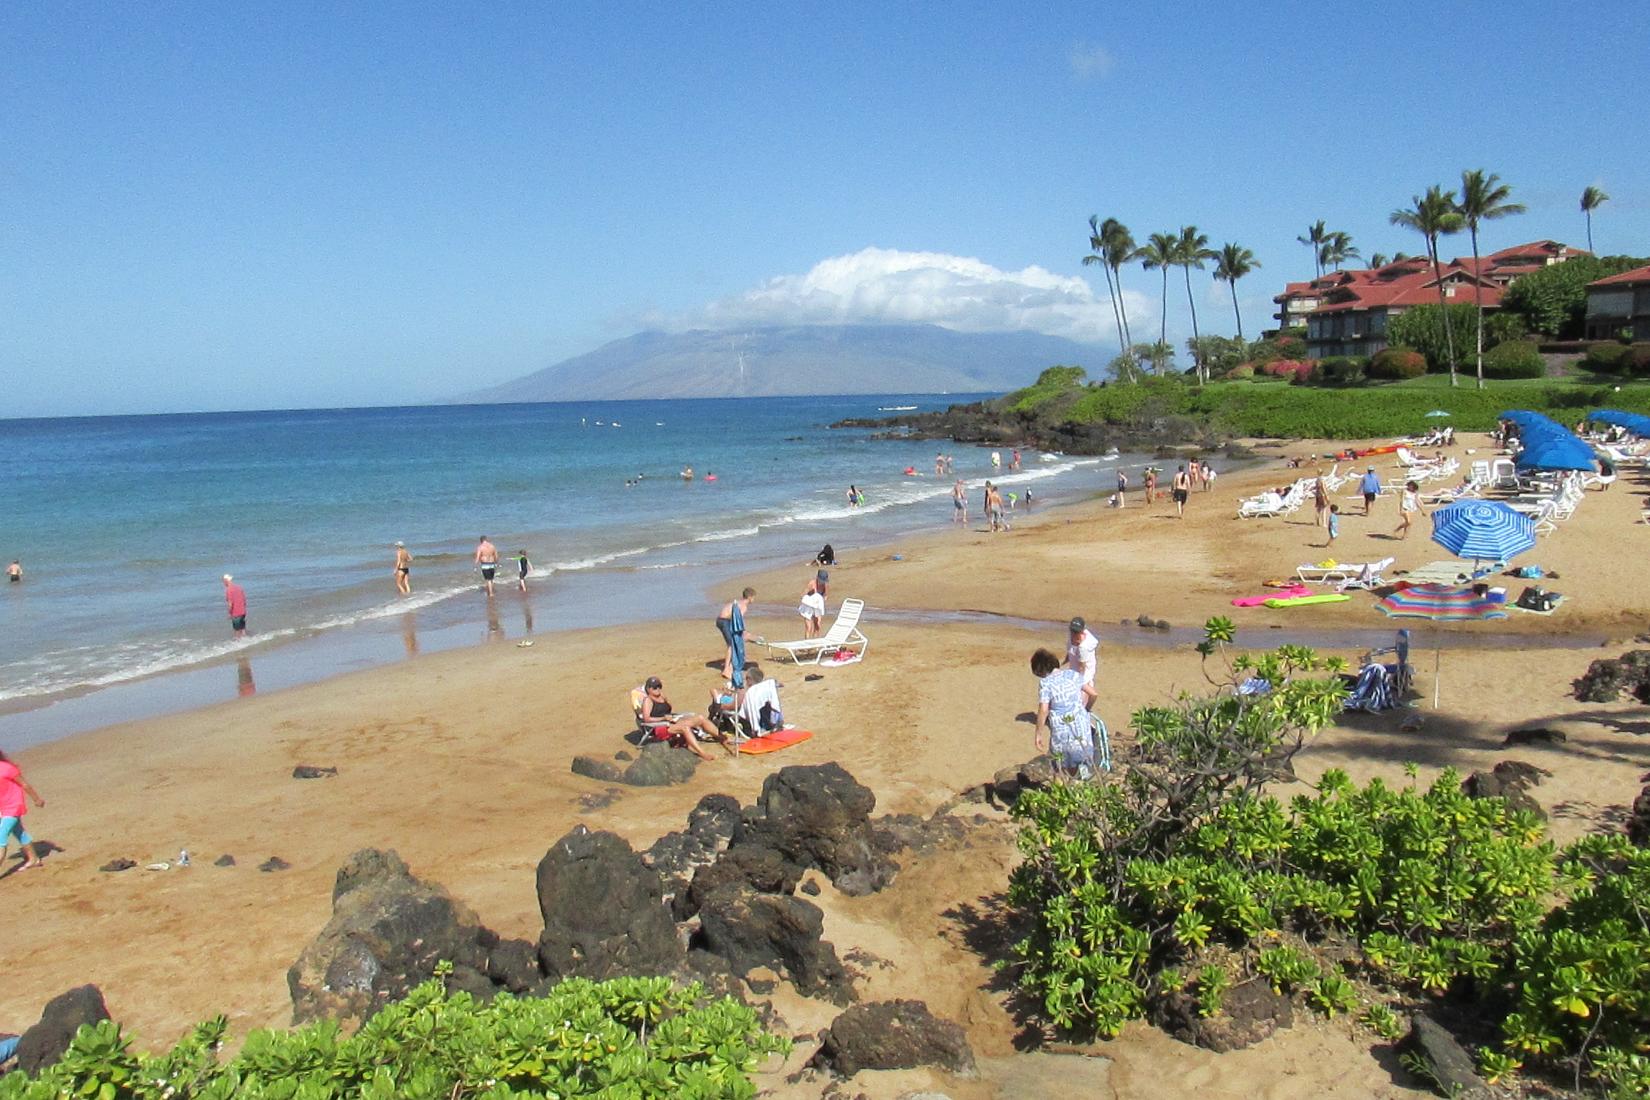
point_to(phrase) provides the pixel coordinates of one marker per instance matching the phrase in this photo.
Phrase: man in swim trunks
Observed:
(1181, 487)
(730, 623)
(487, 562)
(959, 503)
(403, 569)
(14, 571)
(235, 596)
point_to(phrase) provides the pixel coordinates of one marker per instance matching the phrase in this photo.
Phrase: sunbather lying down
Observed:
(682, 730)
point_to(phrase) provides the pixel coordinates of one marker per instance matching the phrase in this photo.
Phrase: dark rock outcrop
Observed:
(604, 912)
(779, 931)
(1007, 784)
(119, 864)
(656, 765)
(274, 863)
(311, 771)
(1509, 780)
(225, 860)
(1249, 1013)
(762, 870)
(514, 964)
(710, 825)
(819, 816)
(893, 1035)
(44, 1043)
(388, 931)
(1605, 681)
(1450, 1066)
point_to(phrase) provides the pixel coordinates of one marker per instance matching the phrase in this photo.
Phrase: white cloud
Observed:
(1090, 62)
(888, 286)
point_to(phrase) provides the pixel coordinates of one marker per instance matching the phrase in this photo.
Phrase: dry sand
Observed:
(460, 762)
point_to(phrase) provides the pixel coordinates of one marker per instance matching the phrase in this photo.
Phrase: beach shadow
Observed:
(990, 930)
(1027, 716)
(1383, 537)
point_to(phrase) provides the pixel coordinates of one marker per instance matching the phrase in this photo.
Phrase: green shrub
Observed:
(1422, 328)
(1553, 300)
(1637, 361)
(1605, 357)
(1519, 359)
(630, 1037)
(1503, 327)
(1394, 364)
(1340, 370)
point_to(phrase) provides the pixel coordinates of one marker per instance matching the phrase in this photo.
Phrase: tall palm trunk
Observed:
(1443, 306)
(1478, 293)
(1163, 322)
(1235, 311)
(1589, 214)
(1122, 310)
(1197, 350)
(1116, 315)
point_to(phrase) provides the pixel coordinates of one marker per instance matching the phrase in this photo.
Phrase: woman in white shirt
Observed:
(1408, 505)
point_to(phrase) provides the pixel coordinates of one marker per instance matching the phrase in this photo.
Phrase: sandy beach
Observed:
(460, 761)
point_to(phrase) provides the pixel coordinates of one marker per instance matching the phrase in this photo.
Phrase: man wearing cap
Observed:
(1370, 486)
(235, 596)
(1083, 652)
(403, 569)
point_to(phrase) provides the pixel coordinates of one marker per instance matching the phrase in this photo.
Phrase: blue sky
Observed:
(276, 205)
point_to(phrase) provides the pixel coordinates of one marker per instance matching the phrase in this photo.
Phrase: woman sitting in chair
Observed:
(682, 730)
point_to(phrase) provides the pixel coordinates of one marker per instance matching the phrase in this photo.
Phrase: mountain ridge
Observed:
(796, 360)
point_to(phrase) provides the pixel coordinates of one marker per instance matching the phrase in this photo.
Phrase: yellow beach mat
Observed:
(1303, 601)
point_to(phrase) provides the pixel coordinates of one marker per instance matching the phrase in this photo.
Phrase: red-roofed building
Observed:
(1347, 312)
(1619, 305)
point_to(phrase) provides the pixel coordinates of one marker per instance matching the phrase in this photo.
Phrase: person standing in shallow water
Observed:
(14, 571)
(403, 569)
(487, 561)
(235, 596)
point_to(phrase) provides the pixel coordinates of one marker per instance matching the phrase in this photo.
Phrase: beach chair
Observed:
(1267, 504)
(843, 635)
(1339, 573)
(1369, 578)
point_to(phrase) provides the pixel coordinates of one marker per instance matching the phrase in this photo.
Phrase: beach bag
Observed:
(1536, 598)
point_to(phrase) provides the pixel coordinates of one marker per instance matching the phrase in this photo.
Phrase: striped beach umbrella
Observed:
(1442, 603)
(1484, 530)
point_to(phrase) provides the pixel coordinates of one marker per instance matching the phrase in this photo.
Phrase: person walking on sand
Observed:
(486, 560)
(523, 567)
(14, 571)
(403, 569)
(1083, 652)
(1408, 505)
(1334, 525)
(235, 596)
(730, 623)
(1370, 486)
(12, 808)
(959, 503)
(1122, 487)
(1151, 483)
(1181, 488)
(1320, 500)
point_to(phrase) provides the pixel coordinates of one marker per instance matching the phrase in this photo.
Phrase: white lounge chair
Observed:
(844, 634)
(1369, 578)
(1339, 573)
(1267, 504)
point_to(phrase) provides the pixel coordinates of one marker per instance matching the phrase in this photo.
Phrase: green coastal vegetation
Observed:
(1183, 878)
(624, 1039)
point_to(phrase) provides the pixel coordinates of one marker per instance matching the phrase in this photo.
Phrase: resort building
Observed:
(1347, 312)
(1619, 305)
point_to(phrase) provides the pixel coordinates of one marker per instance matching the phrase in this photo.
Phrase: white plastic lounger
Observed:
(844, 634)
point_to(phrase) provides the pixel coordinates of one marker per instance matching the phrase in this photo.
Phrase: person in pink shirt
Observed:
(12, 808)
(235, 596)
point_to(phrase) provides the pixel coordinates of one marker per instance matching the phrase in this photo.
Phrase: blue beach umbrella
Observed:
(1482, 530)
(1557, 455)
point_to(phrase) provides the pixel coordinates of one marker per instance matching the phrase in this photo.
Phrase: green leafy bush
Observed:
(1422, 328)
(636, 1038)
(1584, 975)
(1395, 364)
(1553, 300)
(1605, 357)
(1339, 370)
(1519, 359)
(1242, 370)
(1502, 326)
(1637, 360)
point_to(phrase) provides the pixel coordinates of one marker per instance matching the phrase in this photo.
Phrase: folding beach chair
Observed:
(843, 637)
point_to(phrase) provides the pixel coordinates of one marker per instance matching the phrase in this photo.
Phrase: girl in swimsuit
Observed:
(403, 569)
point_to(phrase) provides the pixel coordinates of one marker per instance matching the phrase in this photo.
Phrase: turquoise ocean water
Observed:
(125, 524)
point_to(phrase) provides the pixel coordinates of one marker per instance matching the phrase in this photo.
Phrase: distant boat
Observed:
(895, 408)
(615, 424)
(658, 423)
(601, 424)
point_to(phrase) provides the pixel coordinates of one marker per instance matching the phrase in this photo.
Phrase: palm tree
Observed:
(1433, 216)
(1097, 255)
(1191, 249)
(1234, 263)
(1591, 199)
(1483, 198)
(1118, 245)
(1158, 254)
(1337, 249)
(1378, 260)
(1315, 236)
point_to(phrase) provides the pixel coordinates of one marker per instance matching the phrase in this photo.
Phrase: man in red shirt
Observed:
(235, 596)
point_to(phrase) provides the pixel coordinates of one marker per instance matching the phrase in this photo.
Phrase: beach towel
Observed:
(773, 742)
(761, 707)
(1307, 601)
(1373, 691)
(1280, 594)
(736, 625)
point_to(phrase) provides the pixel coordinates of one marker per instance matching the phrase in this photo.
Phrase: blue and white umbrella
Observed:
(1484, 530)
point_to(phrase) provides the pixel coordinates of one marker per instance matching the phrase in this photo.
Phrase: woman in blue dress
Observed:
(1063, 719)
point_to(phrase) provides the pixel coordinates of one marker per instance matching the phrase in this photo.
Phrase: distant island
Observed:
(795, 361)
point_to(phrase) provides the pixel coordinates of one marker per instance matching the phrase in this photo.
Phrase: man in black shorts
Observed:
(1182, 488)
(487, 562)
